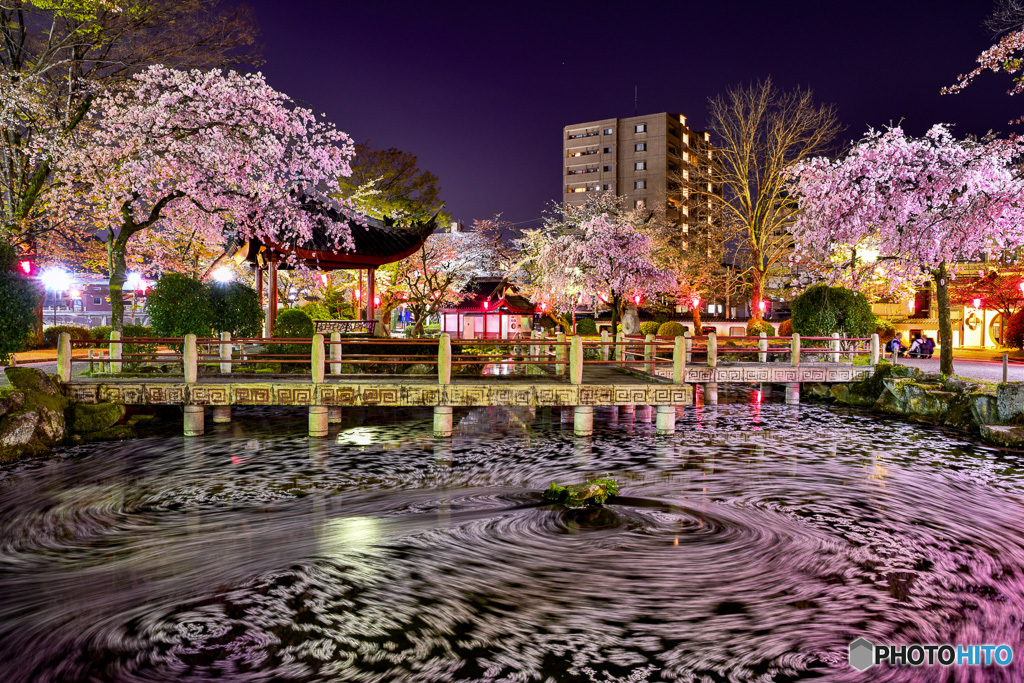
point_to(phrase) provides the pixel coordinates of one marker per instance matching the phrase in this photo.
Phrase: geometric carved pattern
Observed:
(337, 396)
(209, 395)
(466, 395)
(251, 396)
(293, 396)
(422, 396)
(511, 396)
(557, 396)
(165, 394)
(83, 393)
(373, 396)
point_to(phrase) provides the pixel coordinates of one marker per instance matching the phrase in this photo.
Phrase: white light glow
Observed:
(56, 279)
(222, 275)
(133, 282)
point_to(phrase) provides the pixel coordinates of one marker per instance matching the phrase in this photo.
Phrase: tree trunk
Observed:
(945, 325)
(756, 294)
(696, 321)
(117, 268)
(616, 314)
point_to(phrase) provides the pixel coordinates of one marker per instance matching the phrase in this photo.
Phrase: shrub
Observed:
(1014, 332)
(316, 310)
(756, 327)
(235, 308)
(179, 305)
(649, 327)
(586, 326)
(51, 334)
(431, 330)
(293, 323)
(885, 330)
(671, 329)
(786, 328)
(822, 310)
(144, 347)
(19, 297)
(100, 332)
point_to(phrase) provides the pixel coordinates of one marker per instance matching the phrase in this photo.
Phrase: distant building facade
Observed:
(640, 158)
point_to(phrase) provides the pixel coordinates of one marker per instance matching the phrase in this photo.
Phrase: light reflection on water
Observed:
(752, 545)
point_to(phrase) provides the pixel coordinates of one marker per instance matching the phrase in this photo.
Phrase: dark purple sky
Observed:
(480, 91)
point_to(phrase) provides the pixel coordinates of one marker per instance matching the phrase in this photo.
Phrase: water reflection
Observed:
(752, 545)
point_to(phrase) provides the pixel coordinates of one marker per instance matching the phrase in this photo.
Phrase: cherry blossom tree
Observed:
(196, 158)
(603, 257)
(921, 204)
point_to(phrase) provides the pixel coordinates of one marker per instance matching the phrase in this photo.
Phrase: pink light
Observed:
(637, 298)
(26, 267)
(695, 302)
(911, 304)
(757, 396)
(376, 301)
(977, 303)
(1022, 288)
(760, 305)
(486, 304)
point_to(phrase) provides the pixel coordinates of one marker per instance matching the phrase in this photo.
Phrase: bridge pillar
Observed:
(567, 414)
(627, 411)
(666, 421)
(793, 393)
(583, 420)
(336, 357)
(221, 414)
(644, 413)
(711, 394)
(194, 418)
(766, 389)
(334, 416)
(442, 420)
(318, 421)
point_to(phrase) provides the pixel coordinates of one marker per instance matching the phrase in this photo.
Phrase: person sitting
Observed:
(896, 346)
(927, 347)
(916, 347)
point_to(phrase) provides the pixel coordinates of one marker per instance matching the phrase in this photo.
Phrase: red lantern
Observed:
(27, 267)
(694, 302)
(637, 298)
(977, 303)
(760, 306)
(376, 300)
(486, 304)
(358, 294)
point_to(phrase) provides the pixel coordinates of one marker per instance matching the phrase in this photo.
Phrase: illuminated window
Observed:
(640, 147)
(640, 166)
(640, 185)
(640, 128)
(608, 131)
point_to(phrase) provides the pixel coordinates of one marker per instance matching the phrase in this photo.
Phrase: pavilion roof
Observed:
(496, 293)
(375, 242)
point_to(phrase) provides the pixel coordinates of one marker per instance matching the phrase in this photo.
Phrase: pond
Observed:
(753, 545)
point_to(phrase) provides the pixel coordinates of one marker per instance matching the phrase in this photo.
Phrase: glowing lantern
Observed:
(695, 302)
(637, 298)
(760, 306)
(323, 278)
(358, 294)
(376, 300)
(977, 303)
(1022, 288)
(911, 304)
(26, 267)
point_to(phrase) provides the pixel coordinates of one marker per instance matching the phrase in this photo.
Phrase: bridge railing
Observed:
(561, 356)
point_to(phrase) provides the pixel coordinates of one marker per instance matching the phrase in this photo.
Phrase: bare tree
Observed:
(757, 132)
(1007, 16)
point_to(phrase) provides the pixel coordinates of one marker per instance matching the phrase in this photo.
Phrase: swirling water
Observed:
(753, 545)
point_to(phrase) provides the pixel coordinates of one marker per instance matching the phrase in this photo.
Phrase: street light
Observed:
(222, 275)
(56, 280)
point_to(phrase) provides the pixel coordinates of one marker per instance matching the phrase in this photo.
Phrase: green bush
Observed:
(179, 305)
(886, 330)
(1014, 332)
(235, 308)
(755, 328)
(19, 297)
(649, 327)
(100, 332)
(129, 331)
(293, 323)
(51, 334)
(316, 311)
(587, 327)
(671, 329)
(432, 330)
(786, 328)
(822, 310)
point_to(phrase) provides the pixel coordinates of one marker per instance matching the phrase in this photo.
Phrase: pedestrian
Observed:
(928, 348)
(915, 348)
(896, 346)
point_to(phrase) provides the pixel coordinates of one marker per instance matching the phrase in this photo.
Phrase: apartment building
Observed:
(638, 158)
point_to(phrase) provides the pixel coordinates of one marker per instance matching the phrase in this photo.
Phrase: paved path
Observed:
(988, 370)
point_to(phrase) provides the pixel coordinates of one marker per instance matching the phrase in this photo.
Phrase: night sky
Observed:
(480, 92)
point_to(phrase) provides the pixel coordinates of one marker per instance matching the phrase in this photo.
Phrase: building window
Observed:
(640, 128)
(640, 147)
(639, 204)
(578, 189)
(640, 166)
(640, 185)
(96, 301)
(607, 150)
(607, 186)
(608, 131)
(607, 169)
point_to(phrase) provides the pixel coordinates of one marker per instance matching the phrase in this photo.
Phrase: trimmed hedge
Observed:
(1014, 332)
(179, 305)
(822, 310)
(101, 332)
(755, 328)
(235, 308)
(786, 328)
(51, 334)
(649, 327)
(886, 330)
(671, 329)
(586, 326)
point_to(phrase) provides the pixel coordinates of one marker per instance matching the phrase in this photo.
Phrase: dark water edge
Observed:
(753, 545)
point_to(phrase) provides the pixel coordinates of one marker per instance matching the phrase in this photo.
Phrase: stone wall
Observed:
(993, 412)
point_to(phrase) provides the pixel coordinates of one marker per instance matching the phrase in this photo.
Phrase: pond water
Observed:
(753, 545)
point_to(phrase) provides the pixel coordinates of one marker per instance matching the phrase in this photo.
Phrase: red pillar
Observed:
(370, 273)
(273, 296)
